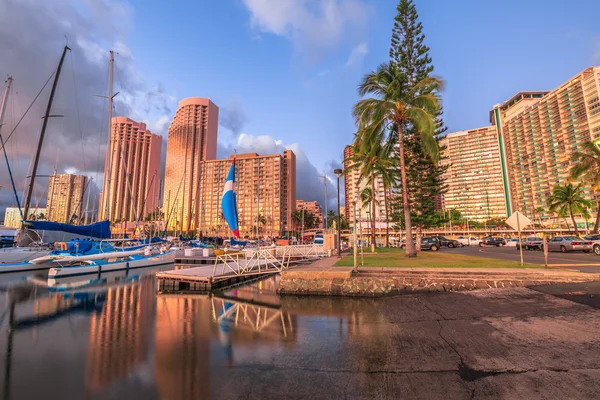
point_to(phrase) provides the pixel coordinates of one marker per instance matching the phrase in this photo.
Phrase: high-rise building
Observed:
(65, 197)
(354, 185)
(12, 215)
(314, 208)
(540, 132)
(192, 140)
(131, 191)
(474, 174)
(265, 186)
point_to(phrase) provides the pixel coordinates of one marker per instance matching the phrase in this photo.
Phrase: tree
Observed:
(587, 166)
(331, 217)
(395, 105)
(425, 176)
(570, 199)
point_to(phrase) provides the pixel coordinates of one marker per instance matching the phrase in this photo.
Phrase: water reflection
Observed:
(114, 337)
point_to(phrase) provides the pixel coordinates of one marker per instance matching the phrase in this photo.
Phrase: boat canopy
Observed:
(98, 230)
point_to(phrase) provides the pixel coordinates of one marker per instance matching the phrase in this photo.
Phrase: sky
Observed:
(283, 72)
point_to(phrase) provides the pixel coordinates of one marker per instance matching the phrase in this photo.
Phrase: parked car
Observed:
(427, 243)
(468, 241)
(430, 243)
(492, 241)
(596, 240)
(512, 243)
(569, 243)
(532, 242)
(448, 242)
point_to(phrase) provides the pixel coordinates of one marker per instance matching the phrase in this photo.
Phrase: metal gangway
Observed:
(231, 268)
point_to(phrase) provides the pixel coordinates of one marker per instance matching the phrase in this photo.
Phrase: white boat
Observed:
(116, 261)
(14, 255)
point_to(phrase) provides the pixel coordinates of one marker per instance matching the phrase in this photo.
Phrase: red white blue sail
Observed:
(228, 203)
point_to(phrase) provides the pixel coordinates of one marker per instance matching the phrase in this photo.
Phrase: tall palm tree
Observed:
(568, 198)
(396, 105)
(331, 217)
(587, 166)
(540, 212)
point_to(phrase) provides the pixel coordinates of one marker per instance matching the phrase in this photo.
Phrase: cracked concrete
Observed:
(514, 343)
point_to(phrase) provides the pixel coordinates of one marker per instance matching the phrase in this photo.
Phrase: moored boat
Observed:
(116, 261)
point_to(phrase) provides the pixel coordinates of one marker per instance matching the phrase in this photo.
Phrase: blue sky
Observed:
(298, 88)
(283, 72)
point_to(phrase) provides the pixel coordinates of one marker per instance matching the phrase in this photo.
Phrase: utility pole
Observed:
(325, 183)
(43, 133)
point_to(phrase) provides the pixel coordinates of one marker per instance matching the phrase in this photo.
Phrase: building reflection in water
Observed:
(197, 334)
(120, 334)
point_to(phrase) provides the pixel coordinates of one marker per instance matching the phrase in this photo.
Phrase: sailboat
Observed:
(34, 235)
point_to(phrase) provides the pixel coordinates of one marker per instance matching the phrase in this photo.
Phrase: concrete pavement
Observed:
(510, 344)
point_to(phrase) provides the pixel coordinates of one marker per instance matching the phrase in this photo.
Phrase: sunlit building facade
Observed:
(192, 139)
(541, 131)
(314, 208)
(12, 216)
(265, 186)
(65, 198)
(353, 186)
(131, 190)
(474, 174)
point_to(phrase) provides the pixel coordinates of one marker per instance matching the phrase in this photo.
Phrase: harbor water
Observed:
(114, 337)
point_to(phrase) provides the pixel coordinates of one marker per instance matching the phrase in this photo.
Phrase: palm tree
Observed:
(373, 159)
(587, 166)
(331, 216)
(396, 105)
(540, 212)
(568, 198)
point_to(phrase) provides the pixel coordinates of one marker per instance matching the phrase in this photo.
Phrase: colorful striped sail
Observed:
(228, 203)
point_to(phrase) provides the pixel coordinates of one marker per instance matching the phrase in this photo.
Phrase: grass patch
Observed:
(429, 259)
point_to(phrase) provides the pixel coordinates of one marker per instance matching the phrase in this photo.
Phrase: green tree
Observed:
(395, 105)
(587, 166)
(568, 198)
(331, 217)
(425, 176)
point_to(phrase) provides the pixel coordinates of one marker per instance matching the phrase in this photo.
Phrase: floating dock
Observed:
(209, 277)
(232, 268)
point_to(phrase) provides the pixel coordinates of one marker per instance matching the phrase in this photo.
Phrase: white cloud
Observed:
(357, 54)
(314, 26)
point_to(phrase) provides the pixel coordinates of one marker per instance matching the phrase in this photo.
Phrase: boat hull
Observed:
(152, 261)
(15, 255)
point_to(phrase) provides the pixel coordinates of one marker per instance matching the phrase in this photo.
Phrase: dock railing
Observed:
(251, 262)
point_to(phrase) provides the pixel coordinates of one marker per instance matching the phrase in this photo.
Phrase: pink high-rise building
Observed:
(134, 185)
(192, 139)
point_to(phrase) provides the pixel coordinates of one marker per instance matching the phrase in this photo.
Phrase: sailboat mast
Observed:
(43, 133)
(2, 110)
(107, 214)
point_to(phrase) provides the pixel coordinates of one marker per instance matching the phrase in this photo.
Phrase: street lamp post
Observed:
(338, 173)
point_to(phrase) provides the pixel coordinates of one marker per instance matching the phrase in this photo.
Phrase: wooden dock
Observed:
(232, 268)
(202, 279)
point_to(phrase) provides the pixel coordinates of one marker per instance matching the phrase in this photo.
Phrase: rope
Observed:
(26, 111)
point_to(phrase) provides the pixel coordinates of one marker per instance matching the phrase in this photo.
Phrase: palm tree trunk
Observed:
(573, 219)
(373, 212)
(411, 251)
(597, 220)
(387, 219)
